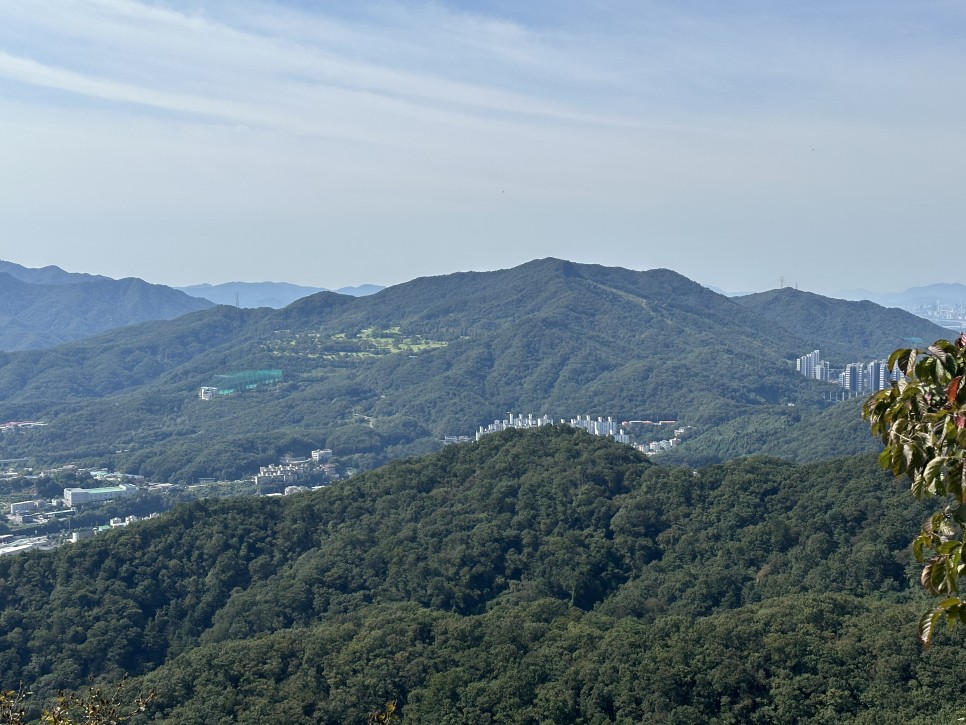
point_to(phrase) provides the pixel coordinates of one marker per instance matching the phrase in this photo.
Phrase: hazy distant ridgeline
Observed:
(63, 308)
(266, 294)
(392, 373)
(41, 308)
(49, 275)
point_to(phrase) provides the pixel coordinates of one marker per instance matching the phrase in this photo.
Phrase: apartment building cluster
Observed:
(856, 377)
(291, 470)
(666, 444)
(599, 427)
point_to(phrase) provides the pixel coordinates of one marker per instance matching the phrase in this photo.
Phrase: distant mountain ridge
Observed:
(390, 374)
(49, 275)
(266, 294)
(46, 307)
(251, 294)
(944, 304)
(952, 293)
(845, 331)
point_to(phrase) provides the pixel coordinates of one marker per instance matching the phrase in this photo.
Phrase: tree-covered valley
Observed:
(529, 577)
(389, 375)
(534, 576)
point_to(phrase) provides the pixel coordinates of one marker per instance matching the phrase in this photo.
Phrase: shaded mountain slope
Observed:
(36, 315)
(844, 331)
(791, 433)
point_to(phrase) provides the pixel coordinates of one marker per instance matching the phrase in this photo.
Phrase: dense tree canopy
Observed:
(534, 576)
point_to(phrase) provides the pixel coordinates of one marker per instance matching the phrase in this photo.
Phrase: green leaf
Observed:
(927, 623)
(948, 547)
(885, 458)
(934, 469)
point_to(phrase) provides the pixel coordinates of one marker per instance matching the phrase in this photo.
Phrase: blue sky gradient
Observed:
(338, 143)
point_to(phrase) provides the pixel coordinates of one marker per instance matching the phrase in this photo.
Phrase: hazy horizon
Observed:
(841, 294)
(377, 142)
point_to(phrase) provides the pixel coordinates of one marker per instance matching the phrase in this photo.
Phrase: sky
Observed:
(742, 144)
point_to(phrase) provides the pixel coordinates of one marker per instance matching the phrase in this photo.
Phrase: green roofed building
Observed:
(246, 380)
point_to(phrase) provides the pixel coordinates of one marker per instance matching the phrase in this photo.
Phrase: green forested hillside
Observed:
(389, 375)
(541, 576)
(844, 331)
(69, 307)
(796, 434)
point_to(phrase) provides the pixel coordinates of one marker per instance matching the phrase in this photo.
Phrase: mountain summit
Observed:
(393, 373)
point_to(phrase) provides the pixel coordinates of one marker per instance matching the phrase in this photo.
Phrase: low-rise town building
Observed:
(17, 545)
(207, 392)
(79, 496)
(24, 507)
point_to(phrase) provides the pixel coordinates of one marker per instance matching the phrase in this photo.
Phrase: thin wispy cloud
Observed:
(618, 132)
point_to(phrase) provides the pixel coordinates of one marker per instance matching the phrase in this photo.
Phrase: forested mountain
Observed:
(49, 275)
(266, 294)
(64, 307)
(789, 432)
(844, 331)
(540, 576)
(390, 374)
(251, 294)
(360, 290)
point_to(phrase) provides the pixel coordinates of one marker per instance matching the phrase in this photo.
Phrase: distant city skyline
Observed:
(340, 144)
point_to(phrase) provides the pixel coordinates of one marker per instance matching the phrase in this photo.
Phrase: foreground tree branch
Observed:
(921, 420)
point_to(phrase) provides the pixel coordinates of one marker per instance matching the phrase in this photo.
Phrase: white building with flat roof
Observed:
(23, 507)
(77, 496)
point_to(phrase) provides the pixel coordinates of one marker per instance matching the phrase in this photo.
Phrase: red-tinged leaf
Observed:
(953, 389)
(961, 341)
(960, 420)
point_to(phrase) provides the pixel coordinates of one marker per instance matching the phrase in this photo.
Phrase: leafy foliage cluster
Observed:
(922, 422)
(96, 706)
(540, 576)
